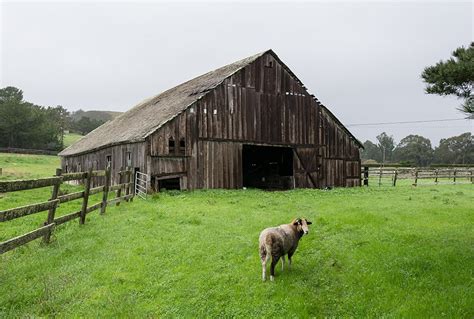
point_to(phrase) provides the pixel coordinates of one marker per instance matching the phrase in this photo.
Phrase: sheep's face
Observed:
(302, 225)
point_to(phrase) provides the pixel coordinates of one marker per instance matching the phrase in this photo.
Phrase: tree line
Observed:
(27, 125)
(417, 150)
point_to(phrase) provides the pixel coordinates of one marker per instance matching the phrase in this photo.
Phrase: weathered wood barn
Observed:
(251, 123)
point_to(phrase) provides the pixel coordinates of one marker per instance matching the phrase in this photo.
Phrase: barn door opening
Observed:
(267, 167)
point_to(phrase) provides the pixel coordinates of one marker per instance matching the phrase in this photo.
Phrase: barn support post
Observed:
(52, 210)
(436, 176)
(85, 201)
(103, 207)
(454, 176)
(416, 177)
(395, 175)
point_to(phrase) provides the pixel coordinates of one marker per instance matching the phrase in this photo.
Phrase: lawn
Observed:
(71, 138)
(371, 252)
(24, 166)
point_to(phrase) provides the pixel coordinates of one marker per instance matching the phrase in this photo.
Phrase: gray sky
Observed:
(361, 59)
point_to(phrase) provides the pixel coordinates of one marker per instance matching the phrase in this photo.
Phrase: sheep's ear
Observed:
(296, 221)
(308, 222)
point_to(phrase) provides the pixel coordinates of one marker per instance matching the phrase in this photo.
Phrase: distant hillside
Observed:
(102, 116)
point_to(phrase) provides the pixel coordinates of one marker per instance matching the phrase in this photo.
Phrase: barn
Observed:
(251, 123)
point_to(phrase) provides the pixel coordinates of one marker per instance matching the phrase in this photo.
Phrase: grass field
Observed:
(371, 252)
(71, 138)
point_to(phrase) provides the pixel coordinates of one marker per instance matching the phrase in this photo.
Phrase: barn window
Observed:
(191, 110)
(214, 112)
(108, 160)
(182, 146)
(129, 158)
(205, 111)
(171, 145)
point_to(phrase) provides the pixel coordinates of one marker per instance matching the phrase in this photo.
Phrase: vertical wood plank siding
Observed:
(260, 104)
(98, 161)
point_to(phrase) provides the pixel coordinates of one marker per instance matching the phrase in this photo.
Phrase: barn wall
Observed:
(261, 104)
(98, 161)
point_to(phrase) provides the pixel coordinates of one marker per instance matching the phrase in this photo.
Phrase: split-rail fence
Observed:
(384, 175)
(125, 185)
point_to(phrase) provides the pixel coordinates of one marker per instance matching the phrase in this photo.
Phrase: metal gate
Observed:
(141, 184)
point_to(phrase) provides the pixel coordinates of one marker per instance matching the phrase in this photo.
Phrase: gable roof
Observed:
(149, 115)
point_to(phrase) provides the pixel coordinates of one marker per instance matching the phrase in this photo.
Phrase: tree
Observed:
(26, 125)
(371, 152)
(456, 150)
(386, 145)
(11, 94)
(453, 77)
(415, 149)
(86, 125)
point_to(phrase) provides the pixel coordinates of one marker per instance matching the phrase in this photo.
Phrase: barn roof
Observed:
(149, 115)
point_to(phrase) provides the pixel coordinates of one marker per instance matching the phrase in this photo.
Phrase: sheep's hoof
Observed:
(272, 278)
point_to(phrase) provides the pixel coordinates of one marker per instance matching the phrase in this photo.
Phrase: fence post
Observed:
(416, 177)
(106, 190)
(119, 191)
(395, 177)
(366, 175)
(52, 210)
(87, 188)
(132, 185)
(454, 176)
(127, 180)
(471, 178)
(436, 176)
(380, 176)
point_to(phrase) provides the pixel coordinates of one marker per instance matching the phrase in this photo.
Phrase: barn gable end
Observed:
(261, 104)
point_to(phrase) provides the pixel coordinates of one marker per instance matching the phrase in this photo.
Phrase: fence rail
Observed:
(462, 175)
(126, 184)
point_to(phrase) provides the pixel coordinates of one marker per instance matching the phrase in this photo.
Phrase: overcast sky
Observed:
(361, 59)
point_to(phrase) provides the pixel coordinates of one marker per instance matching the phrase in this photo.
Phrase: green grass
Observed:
(71, 138)
(24, 166)
(371, 252)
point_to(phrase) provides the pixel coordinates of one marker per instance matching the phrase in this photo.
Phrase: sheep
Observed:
(280, 241)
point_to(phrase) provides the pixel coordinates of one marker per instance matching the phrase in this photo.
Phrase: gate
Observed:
(141, 184)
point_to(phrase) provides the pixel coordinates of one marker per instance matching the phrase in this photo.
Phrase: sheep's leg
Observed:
(264, 257)
(290, 254)
(282, 263)
(272, 267)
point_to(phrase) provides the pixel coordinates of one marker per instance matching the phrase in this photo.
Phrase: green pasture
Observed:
(405, 252)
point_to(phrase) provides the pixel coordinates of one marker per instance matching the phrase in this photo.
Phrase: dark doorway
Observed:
(169, 184)
(267, 167)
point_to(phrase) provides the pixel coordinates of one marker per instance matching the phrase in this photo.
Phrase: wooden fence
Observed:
(440, 175)
(125, 184)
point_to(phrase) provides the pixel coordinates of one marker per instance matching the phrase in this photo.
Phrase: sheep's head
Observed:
(302, 225)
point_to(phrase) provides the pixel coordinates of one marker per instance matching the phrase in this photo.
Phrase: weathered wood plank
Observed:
(119, 199)
(66, 218)
(23, 239)
(70, 197)
(93, 207)
(17, 212)
(74, 176)
(19, 185)
(96, 190)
